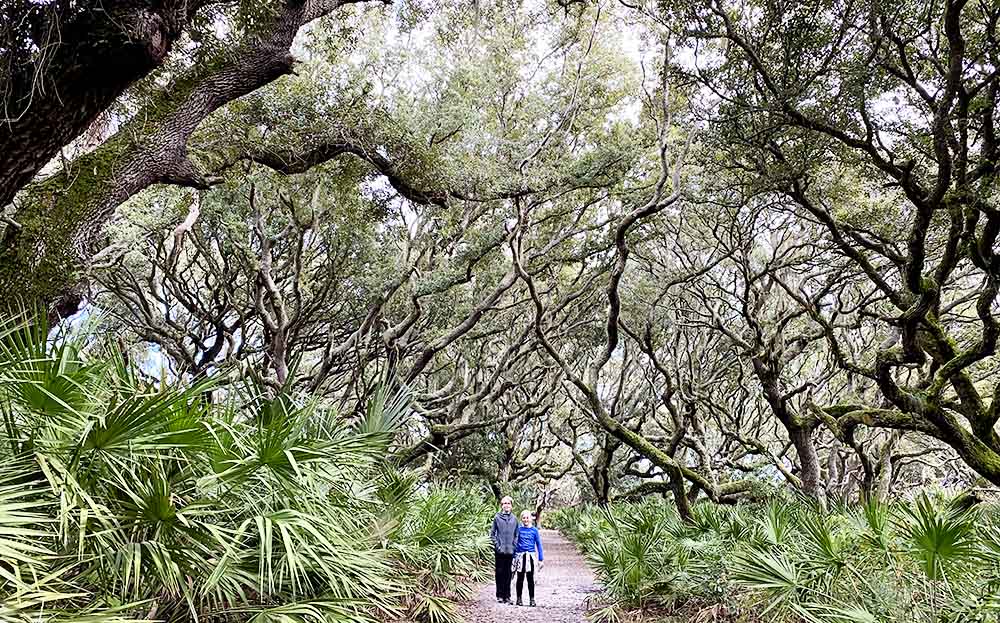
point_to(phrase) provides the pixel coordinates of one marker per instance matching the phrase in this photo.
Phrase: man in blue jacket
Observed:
(503, 534)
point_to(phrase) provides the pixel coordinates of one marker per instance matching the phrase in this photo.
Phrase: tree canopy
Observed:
(697, 249)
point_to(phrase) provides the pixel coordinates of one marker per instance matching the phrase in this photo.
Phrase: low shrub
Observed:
(929, 560)
(123, 499)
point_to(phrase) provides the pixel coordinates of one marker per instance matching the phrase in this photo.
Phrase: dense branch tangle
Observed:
(52, 230)
(666, 191)
(940, 63)
(566, 280)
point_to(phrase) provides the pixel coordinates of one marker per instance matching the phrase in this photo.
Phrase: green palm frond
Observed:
(396, 488)
(777, 524)
(33, 610)
(873, 519)
(386, 412)
(919, 562)
(26, 524)
(119, 498)
(766, 571)
(825, 549)
(940, 538)
(431, 609)
(314, 611)
(708, 518)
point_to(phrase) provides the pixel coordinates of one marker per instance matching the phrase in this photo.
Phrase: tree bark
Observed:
(809, 463)
(800, 430)
(101, 50)
(600, 475)
(62, 218)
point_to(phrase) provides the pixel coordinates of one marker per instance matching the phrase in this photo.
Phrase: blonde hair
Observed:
(528, 513)
(506, 498)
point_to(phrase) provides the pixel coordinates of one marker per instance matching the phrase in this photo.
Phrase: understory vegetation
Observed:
(932, 559)
(123, 499)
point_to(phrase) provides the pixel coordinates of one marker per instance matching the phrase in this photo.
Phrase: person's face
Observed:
(506, 505)
(526, 520)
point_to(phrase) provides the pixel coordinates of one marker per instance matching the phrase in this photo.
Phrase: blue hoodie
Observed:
(527, 540)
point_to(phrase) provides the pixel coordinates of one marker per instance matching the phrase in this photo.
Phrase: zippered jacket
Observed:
(503, 534)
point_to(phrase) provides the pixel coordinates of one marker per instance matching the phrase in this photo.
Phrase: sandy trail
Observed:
(561, 590)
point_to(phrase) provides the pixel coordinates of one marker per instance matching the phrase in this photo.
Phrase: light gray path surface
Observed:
(561, 590)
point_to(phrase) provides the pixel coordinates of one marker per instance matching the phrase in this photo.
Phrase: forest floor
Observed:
(562, 589)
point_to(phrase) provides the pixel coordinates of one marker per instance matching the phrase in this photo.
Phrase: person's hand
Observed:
(541, 565)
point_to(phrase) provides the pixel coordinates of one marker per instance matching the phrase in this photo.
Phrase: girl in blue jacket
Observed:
(526, 562)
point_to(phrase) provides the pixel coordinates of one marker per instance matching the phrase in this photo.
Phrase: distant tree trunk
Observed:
(693, 492)
(540, 504)
(600, 473)
(809, 463)
(883, 487)
(800, 430)
(602, 488)
(885, 467)
(680, 495)
(496, 490)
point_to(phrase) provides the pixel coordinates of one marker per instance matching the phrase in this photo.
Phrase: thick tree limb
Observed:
(89, 53)
(65, 214)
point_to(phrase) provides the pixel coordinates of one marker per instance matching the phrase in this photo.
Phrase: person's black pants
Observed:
(531, 584)
(503, 565)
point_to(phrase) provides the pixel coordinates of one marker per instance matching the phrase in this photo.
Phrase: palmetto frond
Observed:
(121, 499)
(918, 562)
(940, 538)
(771, 573)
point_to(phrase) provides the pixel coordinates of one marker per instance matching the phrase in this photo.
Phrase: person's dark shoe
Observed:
(532, 603)
(519, 602)
(499, 600)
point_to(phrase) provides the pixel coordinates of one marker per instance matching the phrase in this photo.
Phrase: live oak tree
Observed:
(302, 267)
(56, 222)
(745, 301)
(662, 177)
(878, 120)
(767, 261)
(65, 63)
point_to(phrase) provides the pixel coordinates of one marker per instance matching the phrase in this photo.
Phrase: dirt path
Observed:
(561, 590)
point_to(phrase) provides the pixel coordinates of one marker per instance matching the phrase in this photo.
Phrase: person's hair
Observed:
(506, 498)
